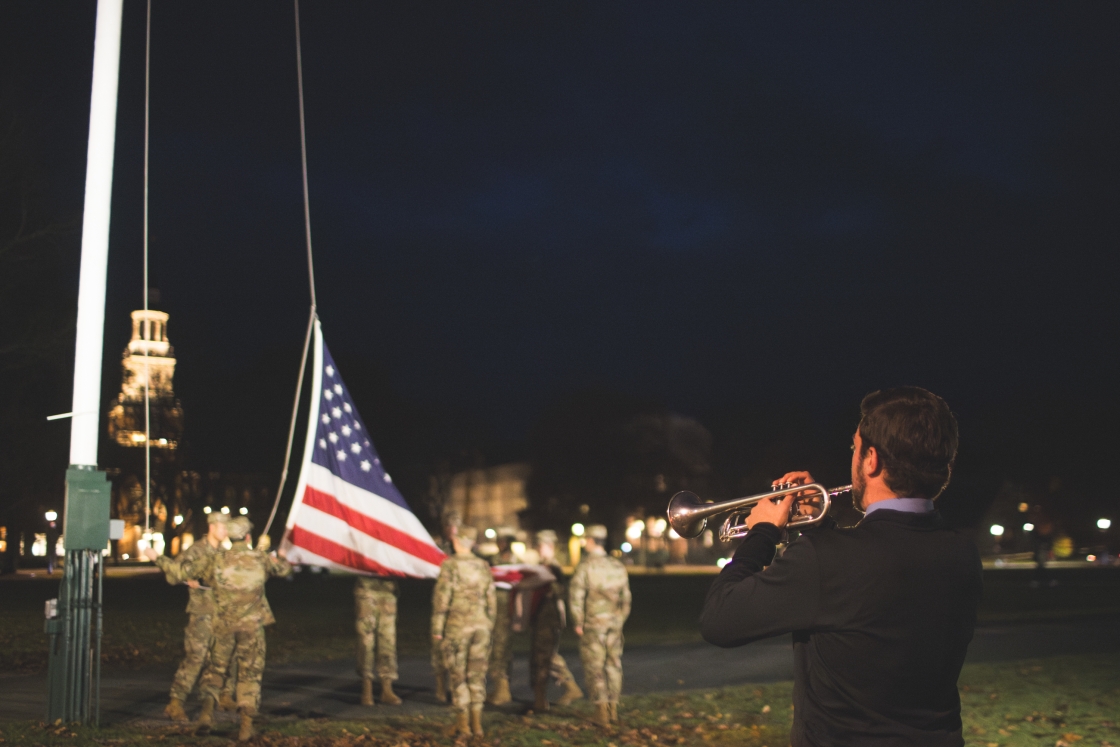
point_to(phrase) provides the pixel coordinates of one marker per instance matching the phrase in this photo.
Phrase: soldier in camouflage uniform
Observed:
(237, 577)
(198, 634)
(547, 623)
(501, 641)
(600, 602)
(375, 613)
(463, 608)
(451, 521)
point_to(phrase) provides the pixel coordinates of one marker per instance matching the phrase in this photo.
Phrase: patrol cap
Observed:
(506, 532)
(217, 517)
(546, 537)
(470, 534)
(452, 518)
(239, 527)
(597, 532)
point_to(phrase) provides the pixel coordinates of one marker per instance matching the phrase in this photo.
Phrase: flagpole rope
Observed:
(310, 274)
(147, 329)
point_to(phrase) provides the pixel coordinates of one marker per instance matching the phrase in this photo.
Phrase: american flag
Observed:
(347, 513)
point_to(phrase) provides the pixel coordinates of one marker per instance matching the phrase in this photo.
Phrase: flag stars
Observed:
(323, 443)
(346, 430)
(329, 370)
(358, 427)
(338, 388)
(328, 395)
(336, 411)
(387, 478)
(333, 437)
(355, 449)
(326, 418)
(366, 465)
(341, 455)
(346, 406)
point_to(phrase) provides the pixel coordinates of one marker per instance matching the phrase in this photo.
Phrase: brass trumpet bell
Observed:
(688, 515)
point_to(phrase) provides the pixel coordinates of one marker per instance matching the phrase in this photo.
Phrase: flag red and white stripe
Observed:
(347, 513)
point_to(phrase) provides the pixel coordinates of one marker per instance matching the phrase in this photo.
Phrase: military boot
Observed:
(441, 687)
(388, 697)
(500, 694)
(540, 697)
(174, 710)
(602, 715)
(246, 730)
(367, 691)
(476, 721)
(571, 692)
(226, 702)
(206, 716)
(461, 727)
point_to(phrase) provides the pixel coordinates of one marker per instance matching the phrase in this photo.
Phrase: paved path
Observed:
(330, 689)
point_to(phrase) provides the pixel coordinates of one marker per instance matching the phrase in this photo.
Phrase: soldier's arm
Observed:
(199, 569)
(491, 601)
(441, 600)
(278, 566)
(626, 598)
(577, 590)
(173, 567)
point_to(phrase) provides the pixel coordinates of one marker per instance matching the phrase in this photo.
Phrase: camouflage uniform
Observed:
(548, 622)
(463, 609)
(375, 618)
(501, 640)
(600, 603)
(238, 577)
(198, 635)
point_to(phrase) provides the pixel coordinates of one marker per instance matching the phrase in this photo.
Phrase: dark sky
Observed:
(703, 203)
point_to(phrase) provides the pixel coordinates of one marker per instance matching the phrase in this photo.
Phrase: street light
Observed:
(178, 519)
(225, 509)
(206, 510)
(577, 529)
(1028, 527)
(244, 511)
(52, 515)
(1104, 523)
(996, 530)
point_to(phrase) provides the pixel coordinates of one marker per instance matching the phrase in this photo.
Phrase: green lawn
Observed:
(1061, 701)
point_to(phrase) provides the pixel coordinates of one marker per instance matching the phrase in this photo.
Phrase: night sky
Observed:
(706, 204)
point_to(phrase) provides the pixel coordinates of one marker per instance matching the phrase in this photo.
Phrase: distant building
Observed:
(491, 497)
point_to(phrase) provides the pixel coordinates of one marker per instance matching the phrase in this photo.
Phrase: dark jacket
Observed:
(881, 616)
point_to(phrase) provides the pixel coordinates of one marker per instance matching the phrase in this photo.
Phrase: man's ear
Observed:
(872, 463)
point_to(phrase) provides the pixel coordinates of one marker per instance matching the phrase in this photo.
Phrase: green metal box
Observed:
(87, 509)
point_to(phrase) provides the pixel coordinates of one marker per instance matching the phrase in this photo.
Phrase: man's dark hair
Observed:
(915, 434)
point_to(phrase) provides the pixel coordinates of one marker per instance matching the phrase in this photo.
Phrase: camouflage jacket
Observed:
(201, 601)
(373, 594)
(237, 577)
(464, 594)
(599, 593)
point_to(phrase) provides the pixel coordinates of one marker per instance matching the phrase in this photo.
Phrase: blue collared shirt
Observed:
(908, 505)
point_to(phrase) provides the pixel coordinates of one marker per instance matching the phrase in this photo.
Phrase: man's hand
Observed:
(150, 554)
(807, 505)
(194, 584)
(771, 512)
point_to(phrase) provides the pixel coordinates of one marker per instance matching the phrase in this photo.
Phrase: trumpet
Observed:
(688, 515)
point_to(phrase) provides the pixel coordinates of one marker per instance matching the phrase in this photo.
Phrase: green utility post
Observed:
(74, 619)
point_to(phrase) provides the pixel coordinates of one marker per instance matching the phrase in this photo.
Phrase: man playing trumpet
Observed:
(882, 613)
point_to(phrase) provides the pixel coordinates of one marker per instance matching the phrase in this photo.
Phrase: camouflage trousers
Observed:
(244, 646)
(600, 650)
(545, 659)
(377, 640)
(501, 640)
(466, 652)
(197, 638)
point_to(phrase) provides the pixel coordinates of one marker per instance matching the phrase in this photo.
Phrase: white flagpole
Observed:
(312, 428)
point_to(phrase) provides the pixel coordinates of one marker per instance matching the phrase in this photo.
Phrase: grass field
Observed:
(1062, 701)
(144, 617)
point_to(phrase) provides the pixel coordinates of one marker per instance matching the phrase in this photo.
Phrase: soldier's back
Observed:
(607, 585)
(470, 580)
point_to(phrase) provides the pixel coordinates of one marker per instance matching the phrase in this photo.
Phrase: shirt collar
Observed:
(906, 505)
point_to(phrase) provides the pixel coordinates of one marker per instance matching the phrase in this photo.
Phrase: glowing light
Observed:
(1028, 527)
(138, 438)
(1091, 558)
(52, 515)
(577, 530)
(626, 547)
(490, 533)
(124, 557)
(517, 548)
(178, 519)
(206, 510)
(1023, 508)
(243, 511)
(996, 530)
(673, 534)
(225, 509)
(634, 531)
(1104, 523)
(723, 562)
